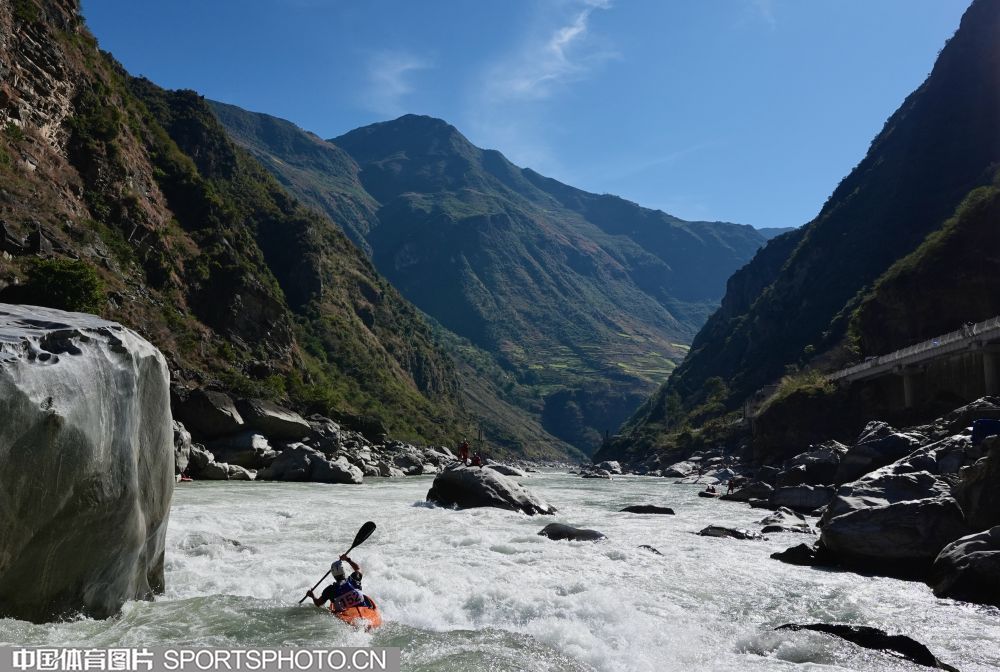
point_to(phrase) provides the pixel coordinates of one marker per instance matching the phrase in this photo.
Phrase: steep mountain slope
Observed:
(125, 199)
(955, 273)
(584, 300)
(792, 303)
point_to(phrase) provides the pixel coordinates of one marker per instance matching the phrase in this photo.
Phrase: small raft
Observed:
(367, 617)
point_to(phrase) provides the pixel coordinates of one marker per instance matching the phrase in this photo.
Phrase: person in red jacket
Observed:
(463, 451)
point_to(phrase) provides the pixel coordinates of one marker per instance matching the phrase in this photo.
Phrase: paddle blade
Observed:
(365, 532)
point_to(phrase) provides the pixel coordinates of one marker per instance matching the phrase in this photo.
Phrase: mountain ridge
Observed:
(563, 288)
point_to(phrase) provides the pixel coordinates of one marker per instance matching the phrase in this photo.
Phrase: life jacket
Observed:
(347, 595)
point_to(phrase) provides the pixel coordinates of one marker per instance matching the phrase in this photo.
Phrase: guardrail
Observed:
(930, 349)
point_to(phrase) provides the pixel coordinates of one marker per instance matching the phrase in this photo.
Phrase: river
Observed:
(480, 590)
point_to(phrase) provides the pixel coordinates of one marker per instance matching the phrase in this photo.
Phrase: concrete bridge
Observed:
(962, 362)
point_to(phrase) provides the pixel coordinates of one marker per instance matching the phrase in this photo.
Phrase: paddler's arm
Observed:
(318, 601)
(353, 564)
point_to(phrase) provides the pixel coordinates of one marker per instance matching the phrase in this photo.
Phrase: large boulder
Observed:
(978, 491)
(610, 466)
(817, 466)
(207, 414)
(804, 498)
(895, 539)
(878, 445)
(273, 421)
(86, 444)
(182, 448)
(471, 487)
(247, 449)
(752, 490)
(883, 487)
(969, 569)
(560, 532)
(335, 471)
(299, 462)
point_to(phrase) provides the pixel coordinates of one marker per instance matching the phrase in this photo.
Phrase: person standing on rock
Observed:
(345, 591)
(463, 451)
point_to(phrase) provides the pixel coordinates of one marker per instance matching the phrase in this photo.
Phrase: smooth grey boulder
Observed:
(86, 444)
(968, 569)
(978, 490)
(752, 490)
(299, 462)
(182, 448)
(878, 445)
(507, 470)
(560, 532)
(472, 487)
(883, 487)
(597, 473)
(896, 539)
(719, 531)
(249, 450)
(680, 469)
(817, 466)
(335, 471)
(273, 421)
(238, 473)
(805, 498)
(610, 466)
(207, 414)
(786, 520)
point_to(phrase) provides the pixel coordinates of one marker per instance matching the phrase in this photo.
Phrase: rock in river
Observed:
(471, 487)
(969, 569)
(560, 532)
(719, 531)
(873, 638)
(648, 508)
(896, 539)
(87, 449)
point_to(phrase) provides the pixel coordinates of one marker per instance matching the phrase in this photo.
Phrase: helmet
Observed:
(338, 571)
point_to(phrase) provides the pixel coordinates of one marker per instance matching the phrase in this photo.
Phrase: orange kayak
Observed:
(367, 617)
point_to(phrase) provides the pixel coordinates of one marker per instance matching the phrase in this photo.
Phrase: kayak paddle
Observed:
(365, 532)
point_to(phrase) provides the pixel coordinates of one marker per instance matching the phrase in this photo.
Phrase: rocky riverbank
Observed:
(917, 503)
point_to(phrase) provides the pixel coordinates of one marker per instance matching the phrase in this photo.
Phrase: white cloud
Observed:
(566, 54)
(390, 80)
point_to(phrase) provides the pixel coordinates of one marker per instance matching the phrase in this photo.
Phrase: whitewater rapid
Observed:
(480, 590)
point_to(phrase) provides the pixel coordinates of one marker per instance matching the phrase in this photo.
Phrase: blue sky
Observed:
(741, 110)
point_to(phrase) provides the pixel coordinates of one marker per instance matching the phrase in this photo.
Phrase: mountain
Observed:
(582, 301)
(859, 261)
(770, 232)
(124, 199)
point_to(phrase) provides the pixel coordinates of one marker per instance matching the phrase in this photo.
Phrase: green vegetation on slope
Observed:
(183, 236)
(564, 289)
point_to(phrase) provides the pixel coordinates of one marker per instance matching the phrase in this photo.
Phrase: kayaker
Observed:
(345, 591)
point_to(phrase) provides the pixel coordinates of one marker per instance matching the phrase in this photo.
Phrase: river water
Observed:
(480, 590)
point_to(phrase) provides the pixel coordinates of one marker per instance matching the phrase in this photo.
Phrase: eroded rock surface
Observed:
(88, 453)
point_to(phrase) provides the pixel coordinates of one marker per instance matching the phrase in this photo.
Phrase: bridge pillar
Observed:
(990, 378)
(909, 388)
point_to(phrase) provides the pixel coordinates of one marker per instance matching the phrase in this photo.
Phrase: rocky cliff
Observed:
(87, 450)
(123, 199)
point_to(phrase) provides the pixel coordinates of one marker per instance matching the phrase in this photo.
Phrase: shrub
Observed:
(66, 284)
